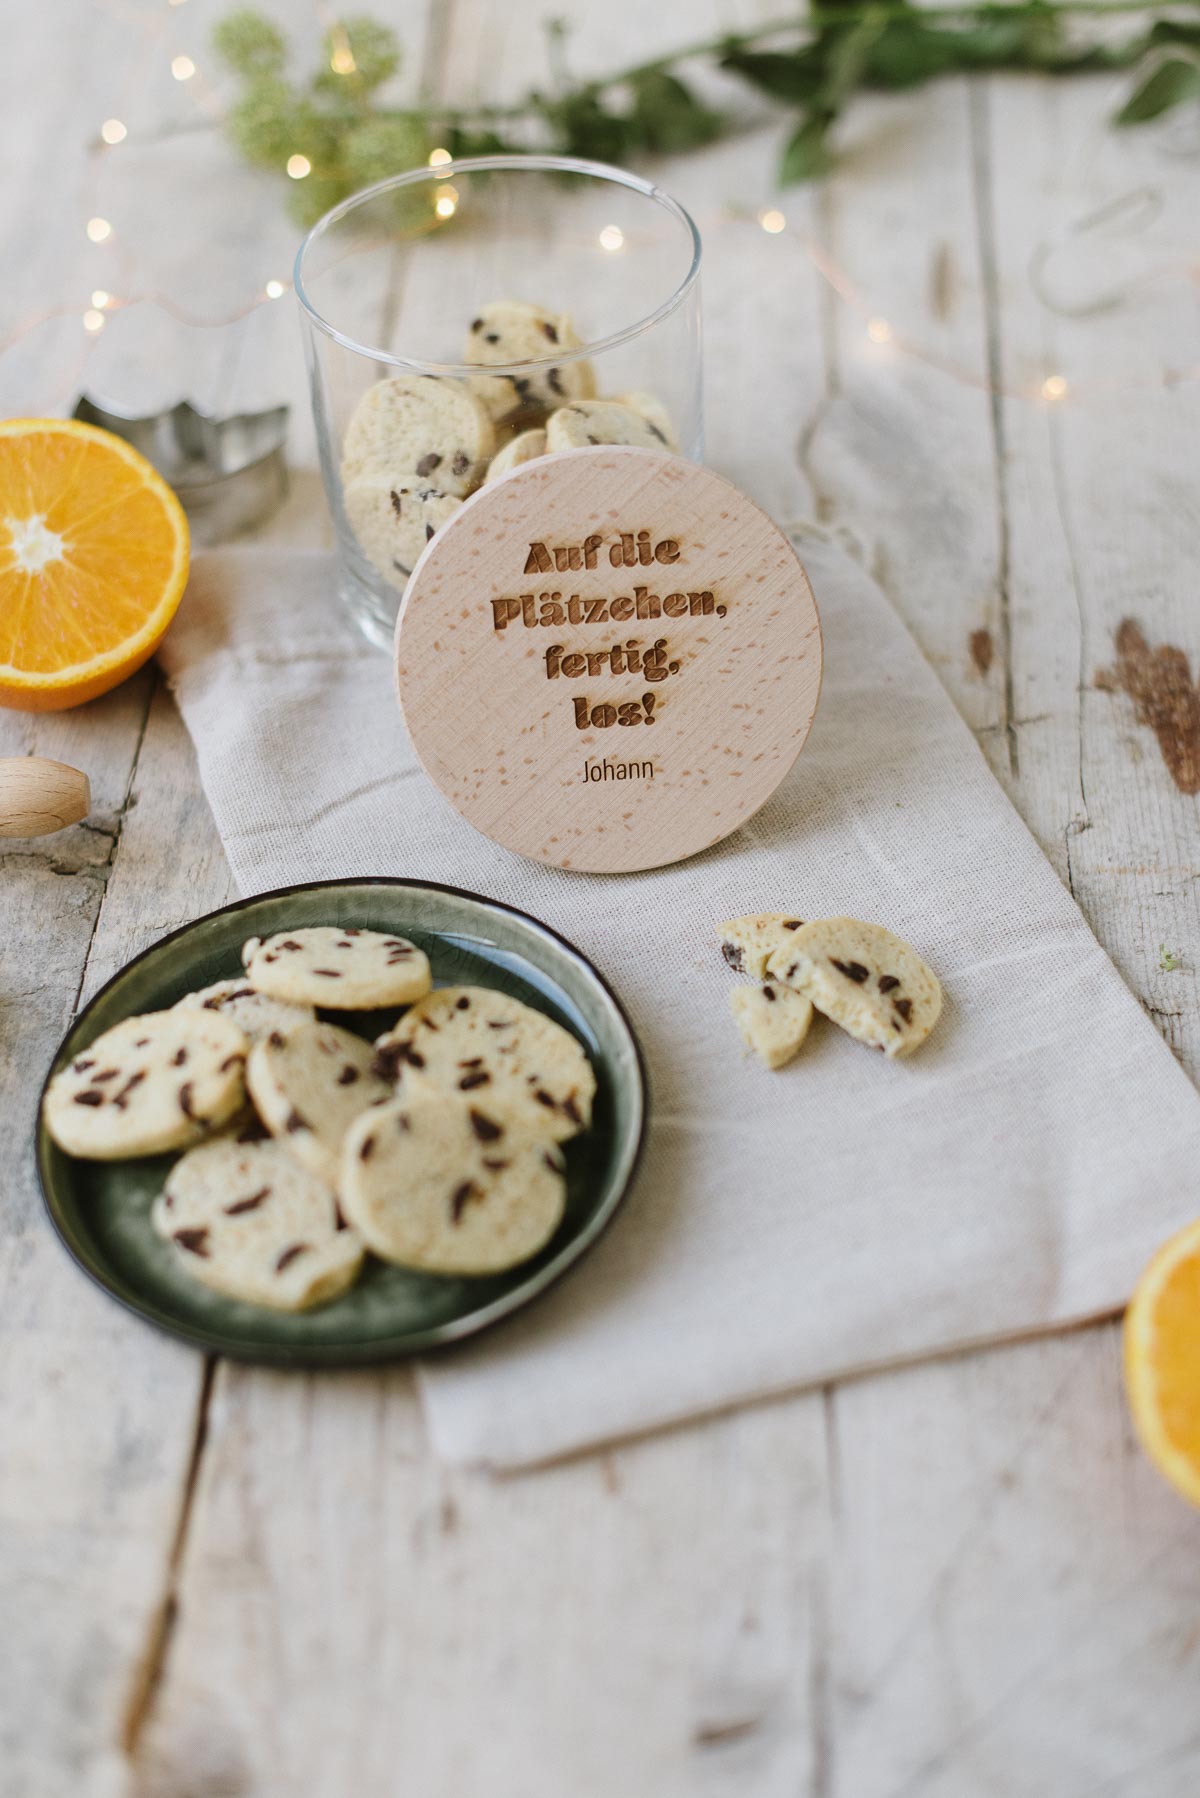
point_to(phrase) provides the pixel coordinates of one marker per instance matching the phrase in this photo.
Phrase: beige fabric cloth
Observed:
(786, 1227)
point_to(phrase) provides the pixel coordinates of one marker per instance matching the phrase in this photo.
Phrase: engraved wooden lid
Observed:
(608, 659)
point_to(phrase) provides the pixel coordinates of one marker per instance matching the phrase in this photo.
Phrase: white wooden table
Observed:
(955, 1581)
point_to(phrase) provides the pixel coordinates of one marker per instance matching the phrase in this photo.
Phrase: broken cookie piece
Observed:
(748, 943)
(772, 1019)
(870, 982)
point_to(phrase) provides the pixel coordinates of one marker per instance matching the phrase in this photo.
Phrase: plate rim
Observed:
(379, 1350)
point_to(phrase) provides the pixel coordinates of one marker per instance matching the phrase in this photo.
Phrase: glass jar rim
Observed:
(470, 165)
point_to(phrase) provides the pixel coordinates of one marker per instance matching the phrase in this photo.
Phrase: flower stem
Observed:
(817, 18)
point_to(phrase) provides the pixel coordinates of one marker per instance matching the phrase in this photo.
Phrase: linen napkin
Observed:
(842, 1213)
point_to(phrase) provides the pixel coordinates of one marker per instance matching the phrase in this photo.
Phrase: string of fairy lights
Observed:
(1052, 388)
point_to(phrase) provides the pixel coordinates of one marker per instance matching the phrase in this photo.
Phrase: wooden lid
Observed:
(608, 659)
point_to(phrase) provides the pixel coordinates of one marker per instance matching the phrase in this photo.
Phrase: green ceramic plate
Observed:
(101, 1209)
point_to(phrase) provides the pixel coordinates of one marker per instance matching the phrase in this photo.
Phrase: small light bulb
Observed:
(298, 167)
(1054, 388)
(879, 331)
(98, 229)
(183, 68)
(612, 237)
(93, 321)
(342, 61)
(446, 204)
(772, 221)
(439, 157)
(101, 299)
(113, 131)
(274, 290)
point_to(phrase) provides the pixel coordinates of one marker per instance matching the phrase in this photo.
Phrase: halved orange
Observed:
(1162, 1361)
(93, 561)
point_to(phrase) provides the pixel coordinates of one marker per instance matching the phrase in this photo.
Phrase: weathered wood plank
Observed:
(97, 1416)
(1014, 1590)
(96, 1420)
(1102, 518)
(352, 1617)
(901, 453)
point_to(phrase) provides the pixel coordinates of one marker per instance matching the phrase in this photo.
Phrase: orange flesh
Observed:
(93, 560)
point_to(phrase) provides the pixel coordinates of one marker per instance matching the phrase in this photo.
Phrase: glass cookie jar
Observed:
(462, 318)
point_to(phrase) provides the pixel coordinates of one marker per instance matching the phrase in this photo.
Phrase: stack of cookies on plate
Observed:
(417, 445)
(437, 1147)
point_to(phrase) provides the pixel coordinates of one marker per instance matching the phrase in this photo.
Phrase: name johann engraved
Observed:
(618, 770)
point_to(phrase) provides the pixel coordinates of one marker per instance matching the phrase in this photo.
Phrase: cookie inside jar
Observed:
(417, 445)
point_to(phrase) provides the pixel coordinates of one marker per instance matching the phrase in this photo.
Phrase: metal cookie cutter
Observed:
(229, 473)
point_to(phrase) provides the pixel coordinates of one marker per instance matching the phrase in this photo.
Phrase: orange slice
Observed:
(1162, 1361)
(93, 561)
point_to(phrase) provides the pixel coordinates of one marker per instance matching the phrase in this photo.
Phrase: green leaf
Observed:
(1000, 43)
(462, 140)
(847, 59)
(1175, 31)
(584, 127)
(250, 43)
(806, 155)
(784, 75)
(1171, 83)
(1097, 59)
(907, 53)
(667, 115)
(911, 51)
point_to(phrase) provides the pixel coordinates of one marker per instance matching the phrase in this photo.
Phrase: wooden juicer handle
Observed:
(38, 796)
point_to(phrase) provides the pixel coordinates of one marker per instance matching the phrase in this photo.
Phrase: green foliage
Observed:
(791, 76)
(813, 68)
(330, 118)
(648, 110)
(581, 125)
(667, 116)
(379, 147)
(1172, 82)
(250, 43)
(263, 122)
(465, 140)
(376, 53)
(806, 155)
